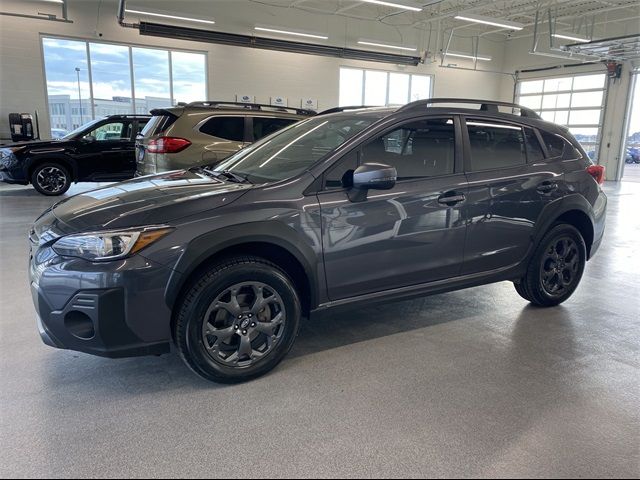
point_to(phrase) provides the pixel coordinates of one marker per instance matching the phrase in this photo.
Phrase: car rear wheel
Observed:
(238, 320)
(556, 268)
(51, 179)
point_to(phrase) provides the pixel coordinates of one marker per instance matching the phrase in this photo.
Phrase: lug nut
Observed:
(253, 324)
(236, 327)
(244, 332)
(250, 315)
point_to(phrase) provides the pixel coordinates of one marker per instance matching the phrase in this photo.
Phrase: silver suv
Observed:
(205, 133)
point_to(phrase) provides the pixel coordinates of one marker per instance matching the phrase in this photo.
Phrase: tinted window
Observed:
(263, 126)
(495, 145)
(558, 147)
(157, 125)
(419, 149)
(534, 150)
(229, 128)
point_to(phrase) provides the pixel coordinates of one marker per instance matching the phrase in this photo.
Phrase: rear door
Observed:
(509, 184)
(409, 235)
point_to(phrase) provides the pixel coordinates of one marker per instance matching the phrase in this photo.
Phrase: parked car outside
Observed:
(342, 209)
(205, 133)
(102, 150)
(632, 155)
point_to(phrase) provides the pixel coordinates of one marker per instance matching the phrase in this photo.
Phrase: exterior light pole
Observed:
(79, 95)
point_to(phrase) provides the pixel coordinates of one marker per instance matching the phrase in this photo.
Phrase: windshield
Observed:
(80, 129)
(294, 149)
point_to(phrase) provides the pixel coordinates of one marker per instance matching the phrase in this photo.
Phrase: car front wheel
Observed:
(51, 179)
(556, 267)
(238, 320)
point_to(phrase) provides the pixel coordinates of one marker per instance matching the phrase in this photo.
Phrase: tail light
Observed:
(597, 172)
(167, 145)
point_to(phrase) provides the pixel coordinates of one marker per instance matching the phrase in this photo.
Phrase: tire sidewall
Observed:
(535, 280)
(34, 180)
(193, 344)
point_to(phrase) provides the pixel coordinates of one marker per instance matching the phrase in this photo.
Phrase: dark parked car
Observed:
(100, 151)
(342, 209)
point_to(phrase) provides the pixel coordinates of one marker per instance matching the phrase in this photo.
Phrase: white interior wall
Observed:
(231, 70)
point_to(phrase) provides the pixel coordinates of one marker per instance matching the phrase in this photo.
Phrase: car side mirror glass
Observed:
(375, 176)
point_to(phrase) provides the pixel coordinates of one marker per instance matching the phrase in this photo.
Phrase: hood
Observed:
(38, 144)
(151, 200)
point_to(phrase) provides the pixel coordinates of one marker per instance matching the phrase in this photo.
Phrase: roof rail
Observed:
(342, 109)
(249, 106)
(485, 105)
(128, 115)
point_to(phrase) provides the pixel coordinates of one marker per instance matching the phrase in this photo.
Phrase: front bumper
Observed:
(111, 309)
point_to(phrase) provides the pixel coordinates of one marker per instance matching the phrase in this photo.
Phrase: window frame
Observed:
(458, 153)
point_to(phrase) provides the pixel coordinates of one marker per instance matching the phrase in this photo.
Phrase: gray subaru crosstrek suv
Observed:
(345, 208)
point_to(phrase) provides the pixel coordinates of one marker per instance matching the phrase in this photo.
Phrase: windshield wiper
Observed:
(228, 175)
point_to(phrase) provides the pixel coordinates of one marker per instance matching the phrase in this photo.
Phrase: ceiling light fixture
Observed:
(162, 15)
(384, 45)
(490, 21)
(54, 1)
(289, 32)
(485, 58)
(391, 4)
(571, 37)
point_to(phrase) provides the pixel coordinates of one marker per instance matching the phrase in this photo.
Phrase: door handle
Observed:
(451, 198)
(546, 187)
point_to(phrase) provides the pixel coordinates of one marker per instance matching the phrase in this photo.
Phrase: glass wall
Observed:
(376, 87)
(631, 172)
(575, 101)
(88, 80)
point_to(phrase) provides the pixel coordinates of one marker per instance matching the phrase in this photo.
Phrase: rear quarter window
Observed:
(559, 147)
(227, 128)
(157, 125)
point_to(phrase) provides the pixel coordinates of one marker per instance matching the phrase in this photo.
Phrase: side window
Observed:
(495, 145)
(559, 147)
(534, 150)
(423, 148)
(228, 128)
(263, 126)
(111, 131)
(141, 125)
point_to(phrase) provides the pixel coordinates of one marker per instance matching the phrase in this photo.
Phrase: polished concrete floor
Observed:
(466, 384)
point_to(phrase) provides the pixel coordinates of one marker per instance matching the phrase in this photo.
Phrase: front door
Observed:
(409, 235)
(107, 153)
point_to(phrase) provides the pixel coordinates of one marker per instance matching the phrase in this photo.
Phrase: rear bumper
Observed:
(600, 220)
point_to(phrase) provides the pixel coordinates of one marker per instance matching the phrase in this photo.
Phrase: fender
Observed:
(555, 209)
(206, 246)
(50, 156)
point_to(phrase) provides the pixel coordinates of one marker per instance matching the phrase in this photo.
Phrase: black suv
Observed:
(100, 151)
(344, 208)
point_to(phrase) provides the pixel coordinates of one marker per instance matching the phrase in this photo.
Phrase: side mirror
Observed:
(376, 176)
(89, 139)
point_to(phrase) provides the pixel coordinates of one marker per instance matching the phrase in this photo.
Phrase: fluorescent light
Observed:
(391, 4)
(384, 45)
(569, 37)
(490, 21)
(54, 1)
(187, 19)
(288, 32)
(472, 57)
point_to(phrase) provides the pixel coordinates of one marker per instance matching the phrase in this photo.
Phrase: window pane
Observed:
(587, 99)
(375, 88)
(189, 77)
(585, 82)
(558, 84)
(495, 145)
(532, 102)
(61, 59)
(111, 131)
(533, 86)
(419, 149)
(562, 117)
(227, 128)
(263, 126)
(111, 79)
(549, 101)
(588, 138)
(548, 116)
(554, 143)
(584, 117)
(151, 79)
(398, 88)
(420, 87)
(351, 87)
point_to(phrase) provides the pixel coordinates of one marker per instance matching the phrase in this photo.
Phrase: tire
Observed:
(51, 179)
(242, 339)
(556, 267)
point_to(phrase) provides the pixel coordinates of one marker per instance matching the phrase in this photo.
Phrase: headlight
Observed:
(110, 245)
